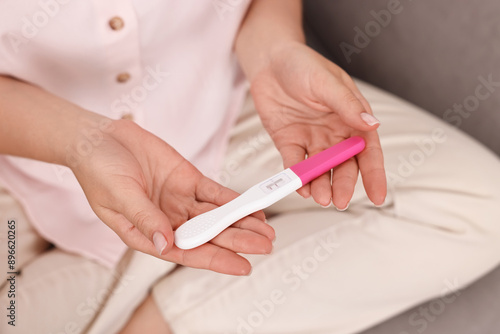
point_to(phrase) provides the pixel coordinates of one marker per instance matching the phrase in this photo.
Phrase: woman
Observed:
(72, 70)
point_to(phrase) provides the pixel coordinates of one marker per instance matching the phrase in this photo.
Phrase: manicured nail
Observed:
(160, 242)
(344, 208)
(327, 206)
(369, 119)
(270, 252)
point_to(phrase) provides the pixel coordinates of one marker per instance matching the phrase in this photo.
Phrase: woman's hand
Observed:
(143, 189)
(308, 104)
(136, 183)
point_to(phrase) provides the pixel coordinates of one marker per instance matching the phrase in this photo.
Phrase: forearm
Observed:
(38, 125)
(268, 26)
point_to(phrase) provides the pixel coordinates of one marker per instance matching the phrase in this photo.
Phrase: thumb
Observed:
(348, 103)
(149, 220)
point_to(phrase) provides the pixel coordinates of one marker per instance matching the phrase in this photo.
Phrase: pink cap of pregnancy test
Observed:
(322, 162)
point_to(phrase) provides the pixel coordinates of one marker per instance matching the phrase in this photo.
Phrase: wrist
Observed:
(269, 25)
(88, 131)
(253, 65)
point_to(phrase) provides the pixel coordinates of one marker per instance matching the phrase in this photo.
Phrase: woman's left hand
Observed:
(308, 104)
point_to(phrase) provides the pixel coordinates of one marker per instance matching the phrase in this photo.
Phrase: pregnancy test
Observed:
(208, 225)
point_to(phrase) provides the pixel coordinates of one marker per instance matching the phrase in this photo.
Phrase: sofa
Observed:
(435, 54)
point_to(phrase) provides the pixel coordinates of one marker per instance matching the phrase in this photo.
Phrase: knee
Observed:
(455, 186)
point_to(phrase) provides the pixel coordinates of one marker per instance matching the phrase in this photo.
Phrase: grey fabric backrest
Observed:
(443, 55)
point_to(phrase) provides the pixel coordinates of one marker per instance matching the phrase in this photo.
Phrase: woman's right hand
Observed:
(143, 189)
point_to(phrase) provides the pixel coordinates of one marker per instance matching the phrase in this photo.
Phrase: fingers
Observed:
(343, 97)
(251, 235)
(144, 215)
(355, 90)
(212, 257)
(243, 241)
(293, 154)
(343, 182)
(251, 223)
(321, 188)
(208, 256)
(371, 165)
(367, 116)
(248, 236)
(256, 226)
(210, 191)
(260, 215)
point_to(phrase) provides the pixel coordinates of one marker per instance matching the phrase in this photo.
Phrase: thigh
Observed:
(17, 236)
(341, 272)
(58, 292)
(137, 274)
(46, 289)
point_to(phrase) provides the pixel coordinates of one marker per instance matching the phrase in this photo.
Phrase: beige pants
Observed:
(330, 272)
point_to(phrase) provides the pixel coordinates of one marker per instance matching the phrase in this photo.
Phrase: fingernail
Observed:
(327, 206)
(341, 210)
(270, 252)
(160, 242)
(369, 119)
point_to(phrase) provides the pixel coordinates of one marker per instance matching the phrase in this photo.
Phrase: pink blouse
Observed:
(166, 64)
